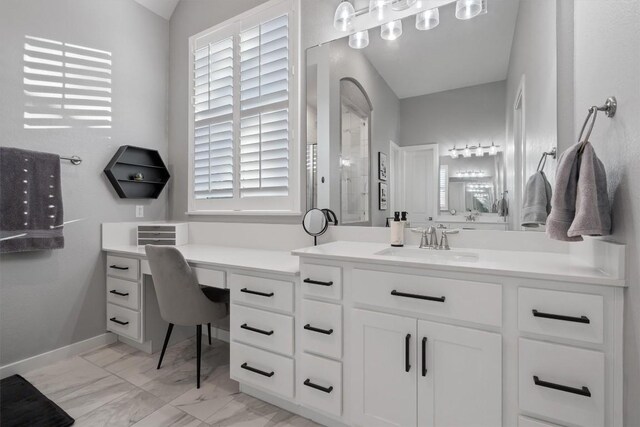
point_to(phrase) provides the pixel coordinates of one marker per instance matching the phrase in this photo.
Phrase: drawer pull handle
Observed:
(584, 391)
(317, 282)
(581, 319)
(117, 267)
(120, 294)
(308, 327)
(426, 297)
(424, 356)
(308, 383)
(119, 322)
(257, 371)
(260, 331)
(262, 294)
(407, 348)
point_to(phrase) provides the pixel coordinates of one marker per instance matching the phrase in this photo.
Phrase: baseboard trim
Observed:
(53, 356)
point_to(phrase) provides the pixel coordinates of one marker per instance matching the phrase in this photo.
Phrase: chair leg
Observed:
(166, 342)
(199, 350)
(209, 332)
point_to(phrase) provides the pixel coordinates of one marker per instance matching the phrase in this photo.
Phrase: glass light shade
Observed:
(453, 153)
(359, 40)
(493, 150)
(379, 8)
(479, 151)
(466, 152)
(428, 19)
(467, 9)
(343, 18)
(391, 30)
(402, 4)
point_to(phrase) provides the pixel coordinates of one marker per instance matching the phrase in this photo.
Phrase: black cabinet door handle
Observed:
(584, 391)
(581, 319)
(117, 267)
(120, 294)
(257, 371)
(317, 282)
(424, 356)
(260, 331)
(119, 322)
(308, 383)
(308, 327)
(426, 297)
(262, 294)
(407, 348)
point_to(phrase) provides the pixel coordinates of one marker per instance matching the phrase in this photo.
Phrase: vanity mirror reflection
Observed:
(444, 118)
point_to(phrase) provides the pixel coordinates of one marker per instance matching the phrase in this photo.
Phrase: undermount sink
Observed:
(430, 254)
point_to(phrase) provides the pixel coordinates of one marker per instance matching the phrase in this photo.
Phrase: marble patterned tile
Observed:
(83, 400)
(244, 410)
(168, 416)
(107, 356)
(122, 412)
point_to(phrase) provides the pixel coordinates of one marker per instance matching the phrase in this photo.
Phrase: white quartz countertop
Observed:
(534, 265)
(270, 261)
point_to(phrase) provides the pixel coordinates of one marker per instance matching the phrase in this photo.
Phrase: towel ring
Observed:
(609, 108)
(543, 158)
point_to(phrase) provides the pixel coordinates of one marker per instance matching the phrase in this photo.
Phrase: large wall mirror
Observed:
(445, 124)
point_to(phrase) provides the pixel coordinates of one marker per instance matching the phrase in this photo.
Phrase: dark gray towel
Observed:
(30, 201)
(537, 201)
(563, 201)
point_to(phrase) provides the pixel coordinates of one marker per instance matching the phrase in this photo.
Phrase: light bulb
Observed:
(359, 40)
(379, 8)
(467, 9)
(493, 150)
(466, 152)
(391, 30)
(402, 4)
(453, 153)
(479, 151)
(428, 19)
(343, 18)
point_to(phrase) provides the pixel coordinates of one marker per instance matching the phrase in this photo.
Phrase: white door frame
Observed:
(396, 196)
(519, 153)
(404, 151)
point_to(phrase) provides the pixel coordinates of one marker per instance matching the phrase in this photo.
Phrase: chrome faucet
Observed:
(444, 241)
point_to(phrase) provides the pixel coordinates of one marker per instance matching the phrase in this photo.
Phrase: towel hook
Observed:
(609, 108)
(543, 160)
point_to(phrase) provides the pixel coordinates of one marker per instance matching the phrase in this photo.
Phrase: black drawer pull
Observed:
(428, 298)
(581, 319)
(120, 294)
(317, 282)
(119, 322)
(584, 391)
(308, 383)
(262, 294)
(424, 356)
(257, 371)
(117, 267)
(407, 348)
(260, 331)
(308, 327)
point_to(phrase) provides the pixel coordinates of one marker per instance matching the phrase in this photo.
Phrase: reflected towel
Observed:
(563, 201)
(537, 201)
(31, 212)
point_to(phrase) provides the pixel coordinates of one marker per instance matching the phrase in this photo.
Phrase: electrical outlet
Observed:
(139, 211)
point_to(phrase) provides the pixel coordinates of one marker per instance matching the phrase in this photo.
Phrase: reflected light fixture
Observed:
(466, 152)
(467, 9)
(479, 151)
(359, 40)
(343, 18)
(453, 152)
(391, 30)
(379, 8)
(428, 19)
(402, 4)
(493, 150)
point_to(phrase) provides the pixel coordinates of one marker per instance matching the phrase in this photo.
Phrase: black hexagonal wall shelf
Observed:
(137, 173)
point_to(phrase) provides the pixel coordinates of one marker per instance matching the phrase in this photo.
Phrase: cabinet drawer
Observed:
(123, 292)
(263, 329)
(322, 328)
(213, 278)
(456, 299)
(562, 383)
(125, 268)
(530, 422)
(123, 321)
(263, 369)
(561, 314)
(320, 384)
(321, 281)
(260, 292)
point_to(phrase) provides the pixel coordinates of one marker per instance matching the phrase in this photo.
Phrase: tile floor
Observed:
(120, 386)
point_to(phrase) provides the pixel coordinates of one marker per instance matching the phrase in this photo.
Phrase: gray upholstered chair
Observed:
(180, 298)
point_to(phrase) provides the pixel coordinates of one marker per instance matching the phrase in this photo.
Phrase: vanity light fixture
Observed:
(391, 30)
(379, 8)
(466, 152)
(343, 18)
(428, 19)
(453, 152)
(359, 40)
(493, 150)
(402, 4)
(467, 9)
(479, 151)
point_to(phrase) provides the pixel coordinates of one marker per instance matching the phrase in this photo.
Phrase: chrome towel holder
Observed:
(75, 160)
(609, 108)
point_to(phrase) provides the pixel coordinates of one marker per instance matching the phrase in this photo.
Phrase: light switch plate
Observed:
(139, 211)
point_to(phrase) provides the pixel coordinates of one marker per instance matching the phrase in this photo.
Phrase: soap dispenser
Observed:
(397, 231)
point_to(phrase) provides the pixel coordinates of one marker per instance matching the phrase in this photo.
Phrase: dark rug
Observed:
(21, 404)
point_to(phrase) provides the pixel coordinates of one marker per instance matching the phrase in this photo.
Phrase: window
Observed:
(243, 157)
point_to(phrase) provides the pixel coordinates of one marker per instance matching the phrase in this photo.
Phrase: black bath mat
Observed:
(21, 405)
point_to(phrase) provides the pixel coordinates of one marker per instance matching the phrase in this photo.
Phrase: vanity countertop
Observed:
(269, 261)
(534, 265)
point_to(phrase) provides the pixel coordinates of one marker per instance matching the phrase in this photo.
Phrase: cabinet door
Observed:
(459, 376)
(384, 369)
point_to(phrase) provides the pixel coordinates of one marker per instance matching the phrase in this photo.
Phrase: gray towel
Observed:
(30, 201)
(563, 201)
(502, 207)
(537, 201)
(593, 212)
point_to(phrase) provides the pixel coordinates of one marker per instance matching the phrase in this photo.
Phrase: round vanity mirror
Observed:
(315, 222)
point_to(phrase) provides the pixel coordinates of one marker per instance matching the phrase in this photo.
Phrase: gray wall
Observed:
(607, 62)
(50, 299)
